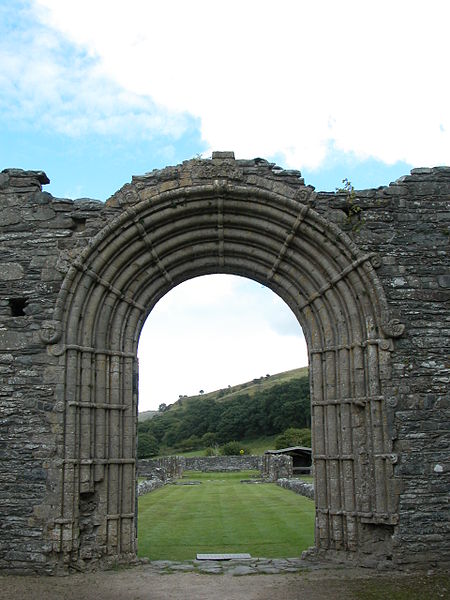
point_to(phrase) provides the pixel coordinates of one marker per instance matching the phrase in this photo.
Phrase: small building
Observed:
(301, 458)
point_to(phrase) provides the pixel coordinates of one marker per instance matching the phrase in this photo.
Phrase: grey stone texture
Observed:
(149, 485)
(235, 567)
(298, 486)
(276, 467)
(166, 467)
(222, 463)
(370, 289)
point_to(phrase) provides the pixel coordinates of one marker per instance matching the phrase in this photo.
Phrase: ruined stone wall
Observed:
(166, 467)
(175, 465)
(271, 467)
(275, 466)
(298, 486)
(39, 237)
(149, 485)
(405, 224)
(222, 463)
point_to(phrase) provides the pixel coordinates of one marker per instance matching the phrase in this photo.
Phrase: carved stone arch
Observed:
(169, 234)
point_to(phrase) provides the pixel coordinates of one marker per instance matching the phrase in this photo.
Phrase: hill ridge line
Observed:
(223, 394)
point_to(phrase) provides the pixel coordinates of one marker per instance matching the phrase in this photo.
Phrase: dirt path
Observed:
(140, 583)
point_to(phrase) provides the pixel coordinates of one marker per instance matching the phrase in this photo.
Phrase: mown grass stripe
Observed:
(223, 515)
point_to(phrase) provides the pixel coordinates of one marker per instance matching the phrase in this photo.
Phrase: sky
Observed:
(95, 92)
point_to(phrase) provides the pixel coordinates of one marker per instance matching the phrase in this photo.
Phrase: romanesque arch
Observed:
(218, 221)
(78, 278)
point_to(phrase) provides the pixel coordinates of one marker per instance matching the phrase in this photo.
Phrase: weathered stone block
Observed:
(11, 271)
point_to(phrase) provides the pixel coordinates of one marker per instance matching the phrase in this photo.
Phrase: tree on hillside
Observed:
(266, 412)
(294, 437)
(147, 445)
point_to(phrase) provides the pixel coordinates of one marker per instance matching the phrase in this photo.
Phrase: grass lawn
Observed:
(222, 515)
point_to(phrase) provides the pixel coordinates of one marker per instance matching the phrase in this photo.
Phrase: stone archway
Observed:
(203, 219)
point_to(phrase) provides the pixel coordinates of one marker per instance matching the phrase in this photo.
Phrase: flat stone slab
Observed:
(241, 570)
(234, 566)
(187, 482)
(223, 556)
(216, 570)
(182, 567)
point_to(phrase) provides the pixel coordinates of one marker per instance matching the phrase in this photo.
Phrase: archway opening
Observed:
(214, 331)
(222, 359)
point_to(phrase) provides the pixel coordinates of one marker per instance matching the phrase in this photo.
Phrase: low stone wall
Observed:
(149, 485)
(298, 486)
(271, 467)
(167, 467)
(223, 463)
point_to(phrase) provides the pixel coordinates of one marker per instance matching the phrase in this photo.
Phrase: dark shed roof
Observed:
(291, 450)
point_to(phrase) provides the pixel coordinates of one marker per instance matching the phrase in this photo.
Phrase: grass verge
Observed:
(223, 515)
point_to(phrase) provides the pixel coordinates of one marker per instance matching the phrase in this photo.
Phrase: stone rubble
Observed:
(298, 486)
(251, 566)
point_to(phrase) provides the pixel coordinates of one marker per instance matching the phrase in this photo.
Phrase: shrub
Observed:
(234, 449)
(211, 451)
(209, 439)
(294, 437)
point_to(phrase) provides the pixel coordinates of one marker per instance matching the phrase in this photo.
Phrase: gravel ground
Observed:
(144, 583)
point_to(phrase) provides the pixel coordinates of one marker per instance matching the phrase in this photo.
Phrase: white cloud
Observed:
(215, 331)
(297, 79)
(293, 78)
(46, 83)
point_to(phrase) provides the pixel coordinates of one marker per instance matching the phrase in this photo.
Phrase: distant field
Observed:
(223, 515)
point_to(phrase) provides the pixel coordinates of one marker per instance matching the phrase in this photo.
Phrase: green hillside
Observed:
(260, 408)
(255, 386)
